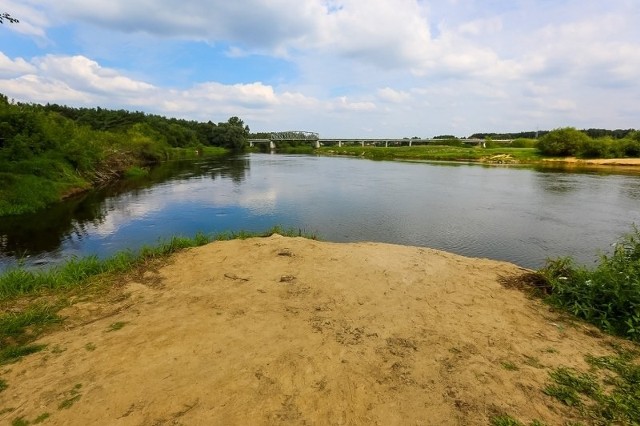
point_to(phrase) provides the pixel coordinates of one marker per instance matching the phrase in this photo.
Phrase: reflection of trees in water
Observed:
(556, 182)
(46, 230)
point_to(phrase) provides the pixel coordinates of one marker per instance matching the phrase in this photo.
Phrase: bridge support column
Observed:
(250, 144)
(317, 144)
(339, 144)
(362, 143)
(409, 142)
(386, 144)
(272, 145)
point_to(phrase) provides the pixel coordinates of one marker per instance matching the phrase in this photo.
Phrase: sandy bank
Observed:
(293, 331)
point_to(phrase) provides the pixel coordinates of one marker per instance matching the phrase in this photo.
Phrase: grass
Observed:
(438, 153)
(72, 397)
(608, 394)
(3, 385)
(12, 354)
(506, 420)
(509, 366)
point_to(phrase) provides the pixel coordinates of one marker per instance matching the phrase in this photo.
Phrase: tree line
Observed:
(50, 151)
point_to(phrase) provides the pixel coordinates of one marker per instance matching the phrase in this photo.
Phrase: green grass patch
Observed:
(12, 354)
(41, 418)
(136, 172)
(18, 327)
(438, 153)
(507, 420)
(20, 421)
(608, 394)
(509, 366)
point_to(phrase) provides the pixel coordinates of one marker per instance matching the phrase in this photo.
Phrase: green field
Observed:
(502, 155)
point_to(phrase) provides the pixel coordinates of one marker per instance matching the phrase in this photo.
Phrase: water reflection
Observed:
(98, 211)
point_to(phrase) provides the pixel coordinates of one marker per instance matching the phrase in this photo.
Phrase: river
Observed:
(518, 214)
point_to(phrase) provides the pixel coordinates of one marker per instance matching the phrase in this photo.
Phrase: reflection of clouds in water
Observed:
(161, 202)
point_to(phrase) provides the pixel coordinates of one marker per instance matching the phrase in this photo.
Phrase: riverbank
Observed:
(290, 330)
(503, 155)
(33, 184)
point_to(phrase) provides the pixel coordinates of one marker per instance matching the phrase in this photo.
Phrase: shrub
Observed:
(562, 142)
(607, 296)
(596, 148)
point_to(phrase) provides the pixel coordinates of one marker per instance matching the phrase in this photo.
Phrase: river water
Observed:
(522, 215)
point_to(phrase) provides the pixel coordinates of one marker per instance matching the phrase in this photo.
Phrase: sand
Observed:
(293, 331)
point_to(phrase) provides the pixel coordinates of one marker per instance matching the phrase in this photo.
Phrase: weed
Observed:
(14, 353)
(505, 420)
(90, 347)
(3, 385)
(20, 421)
(17, 327)
(116, 326)
(68, 403)
(41, 418)
(73, 397)
(509, 366)
(612, 398)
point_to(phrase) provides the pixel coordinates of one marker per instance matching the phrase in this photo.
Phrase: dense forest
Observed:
(50, 151)
(592, 133)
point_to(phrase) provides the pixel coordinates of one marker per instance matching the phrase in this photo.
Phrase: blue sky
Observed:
(343, 68)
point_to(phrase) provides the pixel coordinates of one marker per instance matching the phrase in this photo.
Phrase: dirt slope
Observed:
(293, 331)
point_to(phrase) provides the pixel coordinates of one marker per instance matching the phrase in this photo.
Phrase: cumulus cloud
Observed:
(14, 68)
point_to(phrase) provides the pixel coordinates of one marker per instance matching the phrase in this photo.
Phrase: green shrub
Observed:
(596, 148)
(562, 142)
(607, 296)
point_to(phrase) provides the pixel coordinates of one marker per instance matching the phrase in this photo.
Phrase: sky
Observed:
(342, 68)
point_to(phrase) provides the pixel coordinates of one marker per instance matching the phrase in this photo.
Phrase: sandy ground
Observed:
(293, 331)
(598, 161)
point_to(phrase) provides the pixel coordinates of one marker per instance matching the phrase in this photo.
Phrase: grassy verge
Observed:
(31, 299)
(34, 183)
(500, 155)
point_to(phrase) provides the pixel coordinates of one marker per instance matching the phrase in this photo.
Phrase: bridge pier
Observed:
(317, 144)
(272, 145)
(409, 142)
(339, 144)
(362, 143)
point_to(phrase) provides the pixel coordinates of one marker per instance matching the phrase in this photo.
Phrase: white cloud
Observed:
(390, 66)
(14, 67)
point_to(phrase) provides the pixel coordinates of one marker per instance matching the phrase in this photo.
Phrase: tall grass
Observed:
(608, 295)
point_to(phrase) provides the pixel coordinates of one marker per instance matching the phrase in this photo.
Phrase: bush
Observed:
(596, 148)
(607, 296)
(562, 142)
(524, 143)
(629, 146)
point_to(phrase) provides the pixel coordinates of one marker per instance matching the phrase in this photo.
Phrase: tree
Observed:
(232, 135)
(4, 16)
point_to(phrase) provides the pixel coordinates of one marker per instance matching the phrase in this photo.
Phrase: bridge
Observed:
(314, 138)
